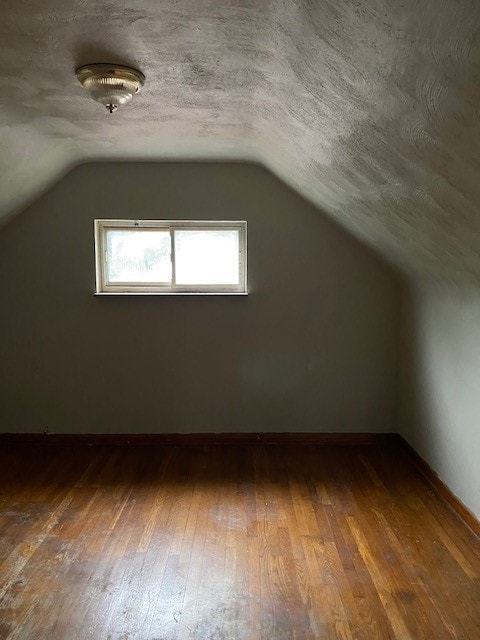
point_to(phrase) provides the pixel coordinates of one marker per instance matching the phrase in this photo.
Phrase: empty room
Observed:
(240, 320)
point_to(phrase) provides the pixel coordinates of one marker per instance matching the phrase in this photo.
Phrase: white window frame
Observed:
(103, 287)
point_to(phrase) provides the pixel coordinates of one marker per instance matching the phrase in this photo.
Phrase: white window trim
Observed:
(132, 288)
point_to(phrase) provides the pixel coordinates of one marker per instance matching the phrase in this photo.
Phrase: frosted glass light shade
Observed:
(111, 85)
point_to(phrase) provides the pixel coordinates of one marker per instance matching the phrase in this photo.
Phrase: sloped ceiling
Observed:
(370, 108)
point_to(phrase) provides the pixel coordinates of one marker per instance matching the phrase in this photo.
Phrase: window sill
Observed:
(171, 293)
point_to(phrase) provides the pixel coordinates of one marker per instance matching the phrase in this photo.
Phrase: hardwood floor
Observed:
(229, 542)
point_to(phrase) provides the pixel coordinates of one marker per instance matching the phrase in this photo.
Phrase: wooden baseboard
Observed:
(441, 489)
(200, 439)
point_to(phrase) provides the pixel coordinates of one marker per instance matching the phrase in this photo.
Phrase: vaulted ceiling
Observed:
(370, 108)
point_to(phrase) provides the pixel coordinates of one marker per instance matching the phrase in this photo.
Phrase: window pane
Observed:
(139, 256)
(206, 257)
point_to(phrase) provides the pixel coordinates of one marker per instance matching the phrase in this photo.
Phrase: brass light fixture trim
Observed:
(113, 85)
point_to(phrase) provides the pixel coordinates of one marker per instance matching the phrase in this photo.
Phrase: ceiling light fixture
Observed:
(113, 85)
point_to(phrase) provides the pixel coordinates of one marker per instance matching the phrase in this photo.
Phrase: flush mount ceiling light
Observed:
(113, 85)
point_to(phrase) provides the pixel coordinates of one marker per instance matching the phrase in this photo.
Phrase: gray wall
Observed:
(440, 399)
(312, 348)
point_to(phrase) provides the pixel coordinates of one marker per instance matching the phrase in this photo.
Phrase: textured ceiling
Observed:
(370, 108)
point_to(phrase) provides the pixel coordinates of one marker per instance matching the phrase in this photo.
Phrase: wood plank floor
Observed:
(229, 542)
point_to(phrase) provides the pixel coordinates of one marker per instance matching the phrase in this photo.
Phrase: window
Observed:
(171, 256)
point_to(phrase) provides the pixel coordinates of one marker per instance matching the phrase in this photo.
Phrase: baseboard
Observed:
(441, 489)
(199, 439)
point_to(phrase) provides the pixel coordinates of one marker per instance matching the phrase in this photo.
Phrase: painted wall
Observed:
(440, 408)
(312, 348)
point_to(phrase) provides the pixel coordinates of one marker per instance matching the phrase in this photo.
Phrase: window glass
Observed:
(140, 255)
(206, 256)
(171, 256)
